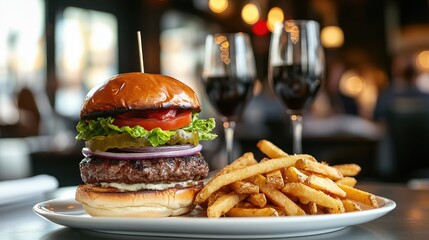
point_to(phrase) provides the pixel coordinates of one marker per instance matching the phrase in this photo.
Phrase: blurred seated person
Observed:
(403, 87)
(402, 110)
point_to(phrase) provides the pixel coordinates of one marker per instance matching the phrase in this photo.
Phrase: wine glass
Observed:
(228, 75)
(296, 69)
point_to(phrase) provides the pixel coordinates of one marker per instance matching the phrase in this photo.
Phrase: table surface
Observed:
(409, 220)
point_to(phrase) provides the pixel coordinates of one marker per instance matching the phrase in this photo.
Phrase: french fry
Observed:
(280, 210)
(348, 170)
(319, 168)
(271, 150)
(258, 199)
(243, 187)
(252, 212)
(301, 190)
(275, 179)
(350, 206)
(349, 181)
(237, 175)
(310, 208)
(245, 204)
(359, 195)
(223, 204)
(216, 195)
(277, 197)
(302, 200)
(334, 210)
(245, 160)
(324, 184)
(294, 175)
(282, 185)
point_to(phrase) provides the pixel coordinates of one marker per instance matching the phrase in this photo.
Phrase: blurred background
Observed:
(373, 108)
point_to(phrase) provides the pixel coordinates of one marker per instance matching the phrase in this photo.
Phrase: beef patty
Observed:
(159, 170)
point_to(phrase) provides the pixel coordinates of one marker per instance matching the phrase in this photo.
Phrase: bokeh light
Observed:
(422, 60)
(274, 15)
(260, 28)
(250, 13)
(352, 84)
(332, 37)
(218, 6)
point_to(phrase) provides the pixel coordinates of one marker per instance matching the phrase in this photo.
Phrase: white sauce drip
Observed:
(148, 186)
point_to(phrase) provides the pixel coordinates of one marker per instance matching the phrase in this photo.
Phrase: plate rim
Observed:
(343, 220)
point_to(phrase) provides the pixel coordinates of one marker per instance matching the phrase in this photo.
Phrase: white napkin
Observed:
(419, 184)
(27, 188)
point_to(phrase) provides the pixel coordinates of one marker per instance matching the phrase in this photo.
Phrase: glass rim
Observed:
(301, 20)
(297, 21)
(228, 34)
(280, 24)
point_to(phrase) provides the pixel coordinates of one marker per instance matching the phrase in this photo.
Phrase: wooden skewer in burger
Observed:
(142, 154)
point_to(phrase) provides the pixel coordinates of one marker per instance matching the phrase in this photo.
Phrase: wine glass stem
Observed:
(297, 133)
(229, 127)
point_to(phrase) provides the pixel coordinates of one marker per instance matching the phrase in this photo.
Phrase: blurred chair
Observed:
(29, 114)
(62, 165)
(408, 127)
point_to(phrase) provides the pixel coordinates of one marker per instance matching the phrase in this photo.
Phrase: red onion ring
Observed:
(158, 149)
(146, 155)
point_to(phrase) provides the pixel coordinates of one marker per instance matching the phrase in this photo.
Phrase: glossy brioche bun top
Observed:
(165, 203)
(137, 92)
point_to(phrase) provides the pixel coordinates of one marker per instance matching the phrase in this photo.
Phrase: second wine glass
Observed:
(229, 73)
(296, 69)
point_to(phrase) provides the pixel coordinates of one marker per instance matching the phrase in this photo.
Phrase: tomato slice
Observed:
(165, 119)
(162, 114)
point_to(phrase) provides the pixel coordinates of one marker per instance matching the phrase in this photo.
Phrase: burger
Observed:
(142, 154)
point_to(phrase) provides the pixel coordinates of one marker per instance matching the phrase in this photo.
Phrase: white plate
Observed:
(68, 212)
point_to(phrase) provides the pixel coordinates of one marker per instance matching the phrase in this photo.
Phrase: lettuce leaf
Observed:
(198, 129)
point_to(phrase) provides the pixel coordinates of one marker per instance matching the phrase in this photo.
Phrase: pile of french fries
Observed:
(282, 185)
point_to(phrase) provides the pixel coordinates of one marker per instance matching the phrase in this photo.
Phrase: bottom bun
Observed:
(109, 202)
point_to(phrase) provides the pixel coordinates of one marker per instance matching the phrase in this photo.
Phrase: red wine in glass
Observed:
(229, 95)
(294, 87)
(228, 75)
(296, 69)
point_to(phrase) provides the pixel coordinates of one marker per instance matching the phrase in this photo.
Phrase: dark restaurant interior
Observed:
(372, 108)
